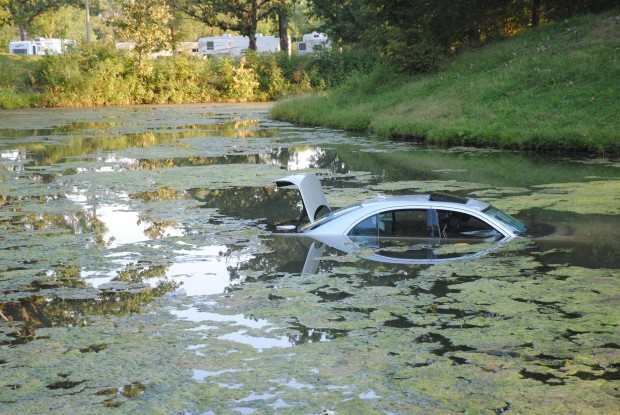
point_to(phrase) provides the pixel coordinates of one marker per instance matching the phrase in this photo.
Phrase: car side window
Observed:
(463, 225)
(367, 227)
(405, 223)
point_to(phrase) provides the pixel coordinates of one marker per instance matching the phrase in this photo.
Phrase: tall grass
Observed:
(554, 88)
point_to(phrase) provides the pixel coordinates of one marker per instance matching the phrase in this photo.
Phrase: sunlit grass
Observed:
(554, 88)
(17, 69)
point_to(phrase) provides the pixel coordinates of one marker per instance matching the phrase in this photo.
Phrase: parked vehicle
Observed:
(190, 48)
(312, 43)
(40, 46)
(234, 46)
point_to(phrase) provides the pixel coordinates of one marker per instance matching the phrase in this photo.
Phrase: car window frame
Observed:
(490, 221)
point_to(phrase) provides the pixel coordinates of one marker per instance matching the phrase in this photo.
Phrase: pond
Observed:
(140, 273)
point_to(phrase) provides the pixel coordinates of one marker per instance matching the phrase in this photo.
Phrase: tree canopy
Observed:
(23, 12)
(414, 31)
(147, 23)
(239, 15)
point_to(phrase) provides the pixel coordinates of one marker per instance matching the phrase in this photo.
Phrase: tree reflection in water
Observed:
(134, 287)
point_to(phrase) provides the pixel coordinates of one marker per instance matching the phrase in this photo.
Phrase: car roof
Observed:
(432, 199)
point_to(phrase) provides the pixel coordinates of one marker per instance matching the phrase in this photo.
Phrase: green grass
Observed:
(17, 80)
(556, 88)
(17, 70)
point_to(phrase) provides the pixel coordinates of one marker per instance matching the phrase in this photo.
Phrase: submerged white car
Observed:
(436, 215)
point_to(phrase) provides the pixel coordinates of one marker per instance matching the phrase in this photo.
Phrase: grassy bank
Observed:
(555, 88)
(17, 80)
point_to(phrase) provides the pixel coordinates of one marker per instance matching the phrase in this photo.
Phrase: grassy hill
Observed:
(555, 88)
(16, 80)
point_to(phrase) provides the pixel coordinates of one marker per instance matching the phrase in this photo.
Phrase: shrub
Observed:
(99, 75)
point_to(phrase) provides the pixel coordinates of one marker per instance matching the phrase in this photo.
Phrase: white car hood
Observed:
(311, 193)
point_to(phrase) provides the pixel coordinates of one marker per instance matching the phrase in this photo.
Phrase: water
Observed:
(140, 272)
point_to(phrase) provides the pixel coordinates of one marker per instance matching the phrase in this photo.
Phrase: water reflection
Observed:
(78, 139)
(206, 270)
(62, 298)
(125, 226)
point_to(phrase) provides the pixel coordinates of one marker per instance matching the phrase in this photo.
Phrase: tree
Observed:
(23, 12)
(147, 23)
(349, 21)
(283, 12)
(5, 16)
(239, 15)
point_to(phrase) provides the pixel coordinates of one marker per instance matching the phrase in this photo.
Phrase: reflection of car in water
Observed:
(408, 250)
(428, 228)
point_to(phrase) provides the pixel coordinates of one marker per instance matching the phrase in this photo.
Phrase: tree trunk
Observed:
(283, 31)
(473, 34)
(22, 33)
(535, 12)
(253, 26)
(252, 38)
(87, 7)
(50, 34)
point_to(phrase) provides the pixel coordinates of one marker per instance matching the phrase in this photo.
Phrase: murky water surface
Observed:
(140, 274)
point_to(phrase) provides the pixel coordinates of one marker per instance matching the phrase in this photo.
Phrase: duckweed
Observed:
(108, 244)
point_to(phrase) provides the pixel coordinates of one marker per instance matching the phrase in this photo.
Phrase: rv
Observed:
(40, 46)
(234, 46)
(190, 48)
(312, 42)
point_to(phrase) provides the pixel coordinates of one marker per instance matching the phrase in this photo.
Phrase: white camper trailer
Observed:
(267, 43)
(40, 46)
(190, 48)
(313, 42)
(234, 46)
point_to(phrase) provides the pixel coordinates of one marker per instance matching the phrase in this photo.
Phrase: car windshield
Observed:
(327, 218)
(505, 218)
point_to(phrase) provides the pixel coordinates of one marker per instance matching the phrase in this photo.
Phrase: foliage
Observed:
(17, 80)
(238, 15)
(413, 34)
(5, 15)
(10, 99)
(97, 75)
(553, 89)
(147, 23)
(23, 12)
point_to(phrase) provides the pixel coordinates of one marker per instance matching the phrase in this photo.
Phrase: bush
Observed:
(10, 99)
(98, 75)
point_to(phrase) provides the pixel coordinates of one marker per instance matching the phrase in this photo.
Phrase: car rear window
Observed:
(329, 217)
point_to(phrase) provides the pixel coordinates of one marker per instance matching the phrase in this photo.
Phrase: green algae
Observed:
(592, 197)
(509, 331)
(428, 186)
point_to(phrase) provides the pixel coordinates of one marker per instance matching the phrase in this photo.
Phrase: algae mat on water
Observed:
(503, 343)
(100, 226)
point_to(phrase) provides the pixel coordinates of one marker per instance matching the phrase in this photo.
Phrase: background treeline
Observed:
(411, 34)
(414, 35)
